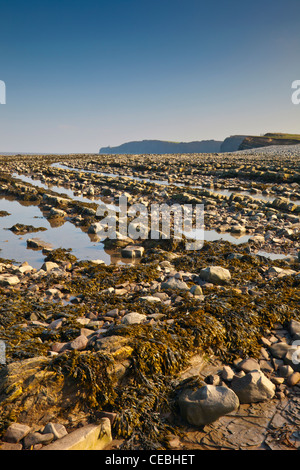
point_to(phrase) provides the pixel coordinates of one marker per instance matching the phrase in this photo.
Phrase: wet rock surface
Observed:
(218, 327)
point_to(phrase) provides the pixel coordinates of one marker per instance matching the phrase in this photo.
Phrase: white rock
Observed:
(133, 318)
(49, 266)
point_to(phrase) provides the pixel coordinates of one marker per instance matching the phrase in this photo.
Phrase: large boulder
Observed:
(215, 275)
(253, 387)
(207, 404)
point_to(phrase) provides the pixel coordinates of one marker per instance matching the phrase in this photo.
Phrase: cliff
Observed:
(232, 143)
(269, 139)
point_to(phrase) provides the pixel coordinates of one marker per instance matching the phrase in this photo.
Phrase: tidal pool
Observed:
(14, 246)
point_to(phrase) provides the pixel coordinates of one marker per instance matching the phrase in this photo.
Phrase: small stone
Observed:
(59, 347)
(265, 341)
(277, 380)
(56, 324)
(247, 365)
(277, 363)
(49, 266)
(215, 274)
(253, 387)
(266, 366)
(83, 320)
(294, 328)
(213, 379)
(279, 350)
(10, 446)
(108, 414)
(133, 318)
(34, 438)
(227, 373)
(173, 283)
(285, 371)
(132, 251)
(280, 395)
(79, 343)
(293, 379)
(150, 298)
(174, 442)
(16, 432)
(196, 290)
(264, 354)
(113, 313)
(9, 280)
(161, 295)
(292, 358)
(58, 430)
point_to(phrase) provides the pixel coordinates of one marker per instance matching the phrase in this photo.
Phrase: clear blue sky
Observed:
(82, 74)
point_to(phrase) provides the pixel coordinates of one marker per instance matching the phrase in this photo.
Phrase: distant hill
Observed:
(163, 147)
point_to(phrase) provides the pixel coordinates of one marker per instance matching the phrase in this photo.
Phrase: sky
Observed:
(85, 74)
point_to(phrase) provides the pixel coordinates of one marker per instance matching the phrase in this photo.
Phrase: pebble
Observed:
(293, 379)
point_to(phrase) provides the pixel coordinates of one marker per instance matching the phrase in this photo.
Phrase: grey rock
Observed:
(133, 318)
(173, 283)
(49, 266)
(196, 290)
(215, 274)
(16, 432)
(207, 404)
(38, 244)
(79, 343)
(247, 365)
(294, 328)
(285, 371)
(6, 280)
(253, 387)
(279, 350)
(132, 251)
(227, 373)
(292, 358)
(34, 438)
(58, 430)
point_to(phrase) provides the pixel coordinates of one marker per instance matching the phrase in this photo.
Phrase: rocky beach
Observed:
(120, 343)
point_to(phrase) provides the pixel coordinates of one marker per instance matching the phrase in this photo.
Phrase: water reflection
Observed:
(59, 234)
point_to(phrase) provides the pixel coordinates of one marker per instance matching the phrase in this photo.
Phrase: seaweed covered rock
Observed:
(33, 389)
(207, 404)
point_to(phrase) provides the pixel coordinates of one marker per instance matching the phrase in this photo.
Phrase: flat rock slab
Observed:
(90, 437)
(37, 244)
(253, 427)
